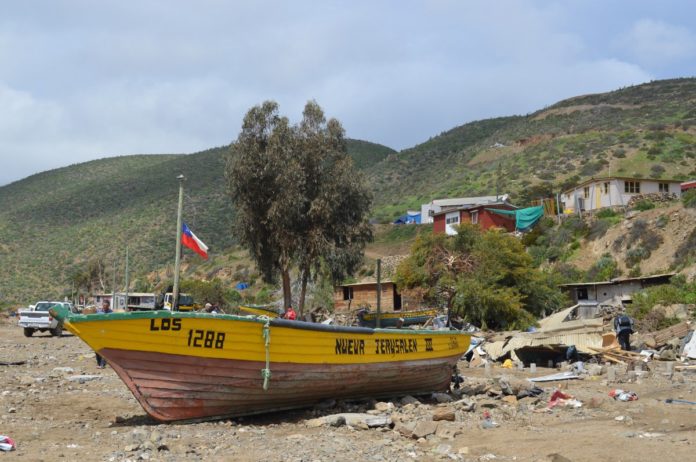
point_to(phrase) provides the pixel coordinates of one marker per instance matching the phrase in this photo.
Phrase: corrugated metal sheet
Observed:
(583, 339)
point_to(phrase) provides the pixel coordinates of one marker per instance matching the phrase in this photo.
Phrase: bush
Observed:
(598, 229)
(677, 291)
(689, 199)
(656, 171)
(604, 269)
(636, 255)
(643, 205)
(606, 213)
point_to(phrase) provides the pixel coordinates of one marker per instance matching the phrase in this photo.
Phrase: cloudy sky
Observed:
(84, 79)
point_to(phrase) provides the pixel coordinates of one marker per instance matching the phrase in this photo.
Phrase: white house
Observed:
(438, 205)
(610, 191)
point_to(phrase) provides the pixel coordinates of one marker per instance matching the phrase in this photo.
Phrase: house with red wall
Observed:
(446, 220)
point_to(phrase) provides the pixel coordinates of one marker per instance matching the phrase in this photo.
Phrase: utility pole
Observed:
(177, 259)
(127, 279)
(379, 293)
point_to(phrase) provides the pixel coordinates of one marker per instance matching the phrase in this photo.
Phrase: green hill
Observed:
(646, 131)
(57, 221)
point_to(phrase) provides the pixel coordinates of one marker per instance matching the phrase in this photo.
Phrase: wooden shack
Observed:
(348, 297)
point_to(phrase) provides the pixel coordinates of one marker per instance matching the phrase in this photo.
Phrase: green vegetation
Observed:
(645, 130)
(643, 205)
(678, 291)
(485, 277)
(689, 199)
(55, 224)
(299, 200)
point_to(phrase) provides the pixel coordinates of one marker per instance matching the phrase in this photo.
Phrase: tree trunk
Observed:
(303, 290)
(287, 290)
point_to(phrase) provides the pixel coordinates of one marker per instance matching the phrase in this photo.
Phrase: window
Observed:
(582, 293)
(664, 187)
(474, 217)
(586, 192)
(347, 293)
(452, 220)
(632, 187)
(606, 187)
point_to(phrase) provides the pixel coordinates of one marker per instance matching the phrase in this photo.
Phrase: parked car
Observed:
(37, 318)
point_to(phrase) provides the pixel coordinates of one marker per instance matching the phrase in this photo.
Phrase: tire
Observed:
(28, 331)
(57, 332)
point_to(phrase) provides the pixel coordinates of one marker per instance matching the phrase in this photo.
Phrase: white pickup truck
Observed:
(38, 318)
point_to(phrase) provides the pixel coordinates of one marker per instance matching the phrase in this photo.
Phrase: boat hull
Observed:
(194, 366)
(391, 319)
(175, 387)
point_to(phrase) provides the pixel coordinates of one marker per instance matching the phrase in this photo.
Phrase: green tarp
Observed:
(525, 219)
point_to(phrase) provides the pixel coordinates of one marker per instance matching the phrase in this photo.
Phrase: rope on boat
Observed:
(266, 373)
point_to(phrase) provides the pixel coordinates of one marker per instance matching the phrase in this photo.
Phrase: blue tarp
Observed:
(409, 219)
(241, 286)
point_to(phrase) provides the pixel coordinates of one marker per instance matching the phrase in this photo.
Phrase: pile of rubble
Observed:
(583, 334)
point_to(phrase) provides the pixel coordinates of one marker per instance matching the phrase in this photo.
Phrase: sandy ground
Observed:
(53, 416)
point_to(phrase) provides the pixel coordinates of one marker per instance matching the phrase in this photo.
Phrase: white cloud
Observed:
(653, 42)
(82, 80)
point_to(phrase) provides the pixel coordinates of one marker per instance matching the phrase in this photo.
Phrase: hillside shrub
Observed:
(636, 255)
(689, 199)
(604, 269)
(598, 229)
(686, 253)
(656, 171)
(606, 213)
(678, 291)
(643, 205)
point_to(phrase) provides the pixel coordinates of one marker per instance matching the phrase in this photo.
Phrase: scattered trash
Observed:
(507, 364)
(558, 398)
(679, 401)
(623, 395)
(555, 377)
(488, 421)
(6, 443)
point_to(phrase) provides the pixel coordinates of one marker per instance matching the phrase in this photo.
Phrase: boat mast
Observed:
(177, 259)
(127, 279)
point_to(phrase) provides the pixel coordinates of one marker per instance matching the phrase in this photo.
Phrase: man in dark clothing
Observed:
(623, 326)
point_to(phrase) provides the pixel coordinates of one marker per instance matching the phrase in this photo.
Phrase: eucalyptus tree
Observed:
(298, 197)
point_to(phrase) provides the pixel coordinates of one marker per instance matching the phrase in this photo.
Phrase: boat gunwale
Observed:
(274, 322)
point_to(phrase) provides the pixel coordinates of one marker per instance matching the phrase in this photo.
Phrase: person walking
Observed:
(105, 309)
(623, 326)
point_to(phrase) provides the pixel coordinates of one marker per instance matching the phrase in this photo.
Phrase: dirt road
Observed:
(58, 405)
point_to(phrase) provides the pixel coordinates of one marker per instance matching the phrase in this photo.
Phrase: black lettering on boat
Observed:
(428, 344)
(165, 324)
(349, 346)
(206, 339)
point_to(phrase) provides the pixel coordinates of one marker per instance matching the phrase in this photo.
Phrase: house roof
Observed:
(620, 280)
(607, 178)
(459, 201)
(477, 206)
(365, 283)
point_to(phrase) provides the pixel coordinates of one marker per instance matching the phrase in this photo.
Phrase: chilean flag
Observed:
(192, 242)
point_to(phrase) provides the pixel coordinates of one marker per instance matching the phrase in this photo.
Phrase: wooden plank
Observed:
(678, 331)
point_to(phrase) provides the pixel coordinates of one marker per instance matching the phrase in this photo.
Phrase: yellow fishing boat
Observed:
(193, 366)
(260, 310)
(392, 318)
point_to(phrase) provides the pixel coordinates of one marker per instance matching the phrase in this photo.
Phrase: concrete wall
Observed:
(603, 292)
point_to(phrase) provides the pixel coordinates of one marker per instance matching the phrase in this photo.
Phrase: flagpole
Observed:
(177, 259)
